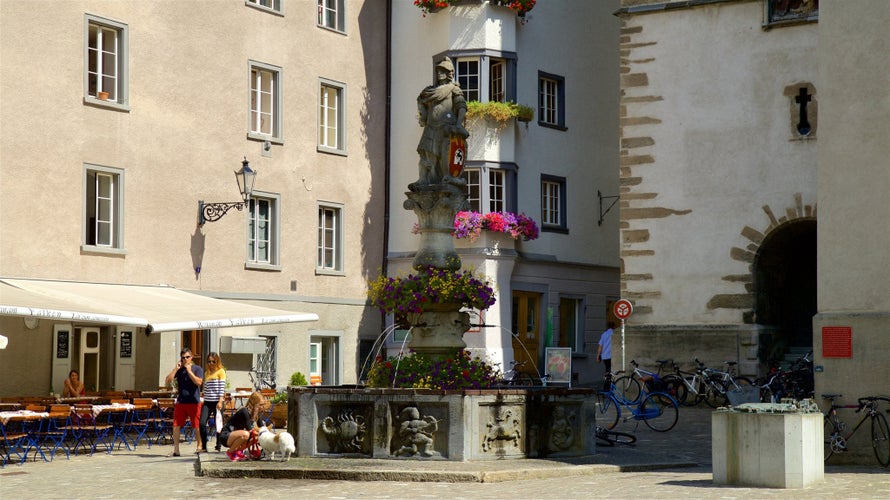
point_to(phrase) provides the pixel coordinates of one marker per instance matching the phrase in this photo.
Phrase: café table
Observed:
(10, 406)
(81, 399)
(240, 397)
(20, 431)
(159, 394)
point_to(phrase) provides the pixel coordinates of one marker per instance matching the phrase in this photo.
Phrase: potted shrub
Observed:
(279, 410)
(297, 378)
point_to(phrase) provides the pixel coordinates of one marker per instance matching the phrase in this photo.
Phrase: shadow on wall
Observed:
(197, 250)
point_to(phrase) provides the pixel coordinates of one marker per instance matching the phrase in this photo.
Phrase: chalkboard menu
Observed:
(126, 344)
(62, 344)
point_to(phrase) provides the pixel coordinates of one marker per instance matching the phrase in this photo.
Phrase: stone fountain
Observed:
(487, 424)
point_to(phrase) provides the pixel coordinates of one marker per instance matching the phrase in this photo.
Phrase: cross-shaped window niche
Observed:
(801, 98)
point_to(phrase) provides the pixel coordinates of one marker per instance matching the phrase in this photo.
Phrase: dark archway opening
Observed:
(785, 289)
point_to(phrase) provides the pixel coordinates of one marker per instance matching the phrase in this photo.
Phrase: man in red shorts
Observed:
(189, 378)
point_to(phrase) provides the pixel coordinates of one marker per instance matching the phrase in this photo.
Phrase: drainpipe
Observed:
(386, 147)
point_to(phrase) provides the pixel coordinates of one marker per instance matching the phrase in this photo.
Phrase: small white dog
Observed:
(272, 443)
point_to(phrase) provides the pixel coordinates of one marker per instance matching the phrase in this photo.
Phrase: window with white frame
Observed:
(332, 14)
(105, 78)
(103, 207)
(270, 5)
(265, 102)
(553, 203)
(262, 230)
(485, 77)
(330, 238)
(487, 188)
(551, 100)
(331, 117)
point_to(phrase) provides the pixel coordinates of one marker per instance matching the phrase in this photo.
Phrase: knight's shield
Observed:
(457, 155)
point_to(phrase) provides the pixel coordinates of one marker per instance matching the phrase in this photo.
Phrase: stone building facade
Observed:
(718, 180)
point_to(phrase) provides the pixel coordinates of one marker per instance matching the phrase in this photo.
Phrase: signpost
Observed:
(622, 309)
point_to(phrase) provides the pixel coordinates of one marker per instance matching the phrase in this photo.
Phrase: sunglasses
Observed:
(186, 357)
(211, 361)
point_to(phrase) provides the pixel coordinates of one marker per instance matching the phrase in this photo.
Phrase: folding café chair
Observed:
(119, 421)
(60, 431)
(34, 430)
(90, 432)
(11, 442)
(140, 420)
(160, 424)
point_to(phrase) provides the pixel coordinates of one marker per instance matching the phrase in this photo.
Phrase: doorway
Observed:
(324, 360)
(785, 289)
(526, 328)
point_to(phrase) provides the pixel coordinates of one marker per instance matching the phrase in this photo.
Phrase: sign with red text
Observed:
(837, 342)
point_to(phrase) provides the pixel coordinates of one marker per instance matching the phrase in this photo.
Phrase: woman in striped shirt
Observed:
(214, 390)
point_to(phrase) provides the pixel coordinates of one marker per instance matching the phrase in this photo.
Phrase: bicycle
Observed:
(658, 410)
(630, 386)
(698, 385)
(714, 384)
(795, 382)
(515, 378)
(836, 436)
(605, 437)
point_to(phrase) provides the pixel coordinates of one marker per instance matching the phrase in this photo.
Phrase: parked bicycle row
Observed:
(654, 397)
(717, 387)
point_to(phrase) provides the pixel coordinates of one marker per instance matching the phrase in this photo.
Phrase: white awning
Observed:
(155, 308)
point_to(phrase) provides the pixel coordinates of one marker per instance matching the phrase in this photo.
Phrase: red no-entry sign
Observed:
(623, 308)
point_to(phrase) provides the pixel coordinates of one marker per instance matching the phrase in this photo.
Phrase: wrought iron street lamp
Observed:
(212, 212)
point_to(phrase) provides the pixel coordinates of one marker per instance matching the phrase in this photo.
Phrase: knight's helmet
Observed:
(446, 64)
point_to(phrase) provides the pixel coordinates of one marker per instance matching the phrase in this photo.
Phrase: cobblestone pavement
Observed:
(676, 464)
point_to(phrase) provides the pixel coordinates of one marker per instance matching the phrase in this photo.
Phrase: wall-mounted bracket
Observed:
(601, 198)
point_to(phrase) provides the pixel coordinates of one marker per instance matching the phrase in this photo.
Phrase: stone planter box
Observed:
(443, 425)
(775, 450)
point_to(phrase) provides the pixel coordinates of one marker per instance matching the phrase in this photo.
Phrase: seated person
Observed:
(238, 432)
(73, 386)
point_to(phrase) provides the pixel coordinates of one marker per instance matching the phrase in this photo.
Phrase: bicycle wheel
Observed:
(674, 386)
(829, 437)
(606, 437)
(602, 437)
(627, 388)
(689, 393)
(742, 381)
(608, 411)
(659, 411)
(715, 393)
(880, 439)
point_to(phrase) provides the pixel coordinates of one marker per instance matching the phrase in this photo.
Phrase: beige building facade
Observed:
(113, 132)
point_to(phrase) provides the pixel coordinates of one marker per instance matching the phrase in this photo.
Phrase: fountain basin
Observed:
(426, 424)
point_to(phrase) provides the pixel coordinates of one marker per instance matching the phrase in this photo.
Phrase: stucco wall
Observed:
(853, 182)
(709, 161)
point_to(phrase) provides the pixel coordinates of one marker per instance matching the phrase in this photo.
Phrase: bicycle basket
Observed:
(745, 394)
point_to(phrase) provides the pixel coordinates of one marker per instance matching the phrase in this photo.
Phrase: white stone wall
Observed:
(707, 145)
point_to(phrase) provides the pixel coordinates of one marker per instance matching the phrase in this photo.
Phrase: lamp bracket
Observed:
(603, 213)
(212, 212)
